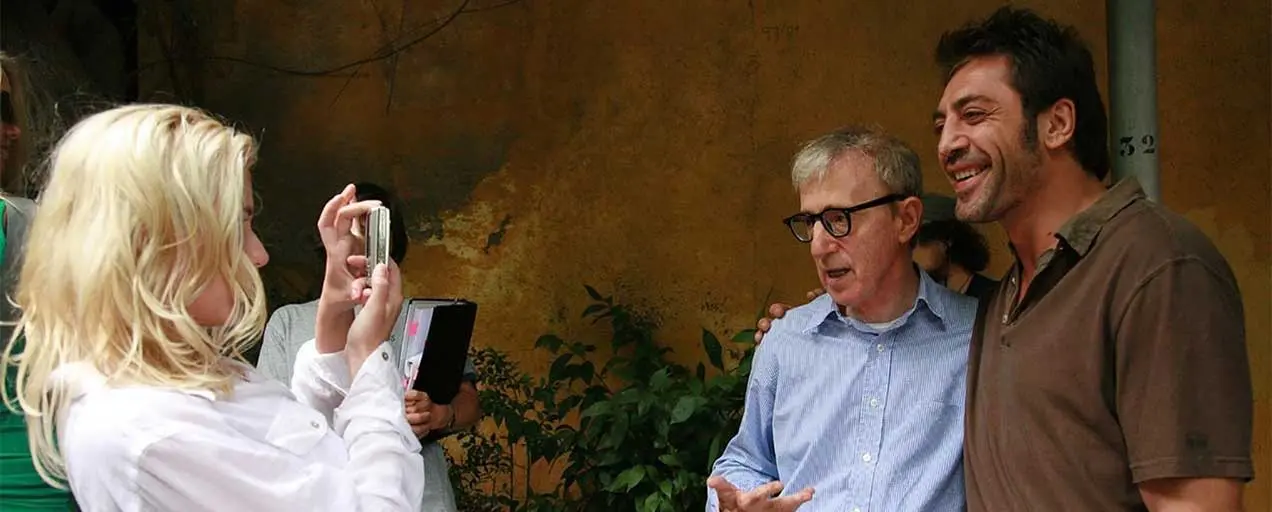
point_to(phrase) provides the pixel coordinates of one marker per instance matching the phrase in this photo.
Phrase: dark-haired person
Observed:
(1109, 370)
(21, 487)
(952, 251)
(292, 325)
(12, 154)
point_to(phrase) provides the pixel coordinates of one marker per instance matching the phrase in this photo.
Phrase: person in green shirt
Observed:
(21, 488)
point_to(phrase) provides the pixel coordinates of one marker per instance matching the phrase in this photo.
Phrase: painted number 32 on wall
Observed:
(1128, 146)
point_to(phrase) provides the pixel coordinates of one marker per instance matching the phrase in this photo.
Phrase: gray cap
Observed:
(937, 207)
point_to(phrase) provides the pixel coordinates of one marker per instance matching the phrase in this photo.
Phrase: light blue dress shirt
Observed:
(869, 416)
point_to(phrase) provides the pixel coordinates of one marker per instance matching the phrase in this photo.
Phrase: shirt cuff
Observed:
(380, 370)
(322, 380)
(331, 368)
(377, 392)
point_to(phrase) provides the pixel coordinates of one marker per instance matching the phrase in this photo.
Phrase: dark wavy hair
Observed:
(1049, 62)
(964, 246)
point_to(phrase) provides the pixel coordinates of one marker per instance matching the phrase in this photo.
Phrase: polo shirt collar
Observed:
(1081, 230)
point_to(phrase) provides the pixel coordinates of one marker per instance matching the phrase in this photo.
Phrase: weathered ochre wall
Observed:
(642, 146)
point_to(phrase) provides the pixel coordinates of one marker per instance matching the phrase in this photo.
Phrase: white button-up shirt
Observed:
(327, 444)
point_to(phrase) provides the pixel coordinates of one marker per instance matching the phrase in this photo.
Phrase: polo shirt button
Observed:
(856, 509)
(874, 402)
(867, 457)
(879, 347)
(313, 424)
(384, 356)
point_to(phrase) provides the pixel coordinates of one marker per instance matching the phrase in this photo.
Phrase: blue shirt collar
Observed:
(933, 296)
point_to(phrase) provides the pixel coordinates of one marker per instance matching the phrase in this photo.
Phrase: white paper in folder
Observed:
(418, 321)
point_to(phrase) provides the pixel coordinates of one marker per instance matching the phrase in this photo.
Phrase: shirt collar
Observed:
(1081, 230)
(80, 378)
(824, 310)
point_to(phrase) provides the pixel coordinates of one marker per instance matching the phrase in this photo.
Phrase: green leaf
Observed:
(744, 336)
(695, 386)
(628, 479)
(646, 402)
(603, 315)
(550, 341)
(712, 345)
(514, 427)
(596, 409)
(568, 404)
(713, 452)
(744, 365)
(628, 396)
(701, 372)
(660, 379)
(592, 293)
(651, 503)
(558, 371)
(617, 433)
(593, 309)
(685, 407)
(665, 487)
(586, 372)
(670, 459)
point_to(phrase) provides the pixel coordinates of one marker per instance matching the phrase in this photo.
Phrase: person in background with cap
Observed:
(951, 251)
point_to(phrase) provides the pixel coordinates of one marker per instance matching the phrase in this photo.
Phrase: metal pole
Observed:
(1132, 29)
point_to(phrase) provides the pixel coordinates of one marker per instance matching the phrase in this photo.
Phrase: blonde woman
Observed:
(138, 291)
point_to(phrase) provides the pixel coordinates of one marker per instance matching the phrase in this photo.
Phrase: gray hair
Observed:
(896, 164)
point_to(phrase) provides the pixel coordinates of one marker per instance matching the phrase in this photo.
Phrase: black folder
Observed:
(435, 341)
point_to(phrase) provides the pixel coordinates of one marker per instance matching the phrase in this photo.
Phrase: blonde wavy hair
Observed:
(143, 211)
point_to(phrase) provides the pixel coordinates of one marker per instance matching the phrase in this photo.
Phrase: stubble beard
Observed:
(1007, 183)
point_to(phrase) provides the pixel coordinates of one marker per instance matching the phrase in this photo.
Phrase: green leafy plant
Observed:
(486, 476)
(627, 428)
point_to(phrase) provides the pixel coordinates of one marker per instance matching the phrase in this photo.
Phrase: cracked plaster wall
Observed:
(641, 147)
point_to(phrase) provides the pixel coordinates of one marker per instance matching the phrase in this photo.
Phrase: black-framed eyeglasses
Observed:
(837, 221)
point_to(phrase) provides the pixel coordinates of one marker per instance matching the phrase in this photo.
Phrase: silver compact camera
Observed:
(376, 234)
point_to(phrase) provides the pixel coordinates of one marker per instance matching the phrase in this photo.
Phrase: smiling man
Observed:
(1109, 370)
(858, 403)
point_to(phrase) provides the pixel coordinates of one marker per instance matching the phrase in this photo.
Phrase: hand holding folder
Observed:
(437, 335)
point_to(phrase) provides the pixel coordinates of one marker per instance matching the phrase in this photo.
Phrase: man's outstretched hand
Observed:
(778, 310)
(761, 499)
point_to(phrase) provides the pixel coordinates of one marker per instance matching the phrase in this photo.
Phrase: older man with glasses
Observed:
(859, 404)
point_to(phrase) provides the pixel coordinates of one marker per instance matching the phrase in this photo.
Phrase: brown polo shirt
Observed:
(1124, 362)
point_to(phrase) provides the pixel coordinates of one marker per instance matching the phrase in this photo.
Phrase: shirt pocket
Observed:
(297, 429)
